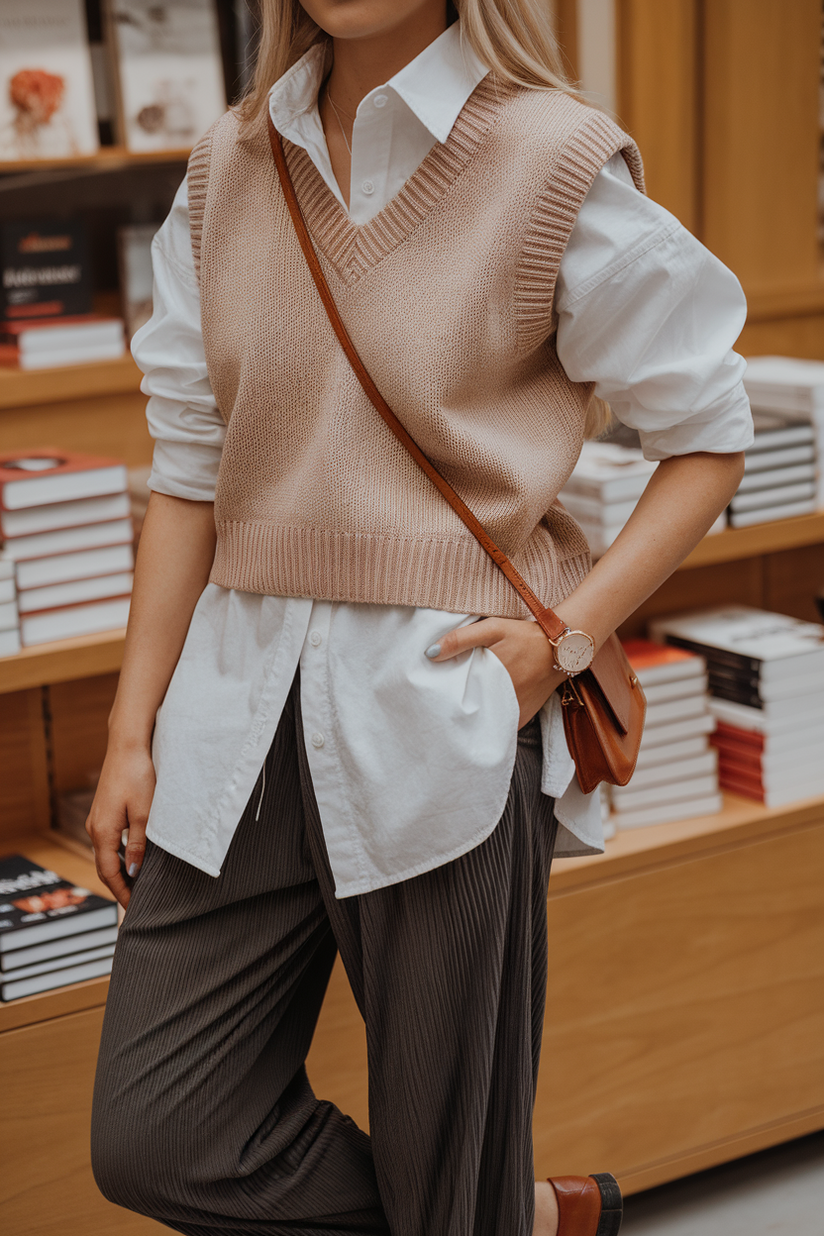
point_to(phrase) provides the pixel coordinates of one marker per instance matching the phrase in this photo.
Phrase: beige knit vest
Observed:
(448, 296)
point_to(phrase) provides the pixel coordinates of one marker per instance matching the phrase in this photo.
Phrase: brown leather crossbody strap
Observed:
(549, 621)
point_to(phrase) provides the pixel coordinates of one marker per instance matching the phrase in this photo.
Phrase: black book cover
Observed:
(46, 270)
(736, 695)
(718, 656)
(734, 680)
(36, 905)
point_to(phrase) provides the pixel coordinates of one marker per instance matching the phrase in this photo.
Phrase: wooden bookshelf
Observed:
(21, 388)
(66, 660)
(108, 158)
(768, 538)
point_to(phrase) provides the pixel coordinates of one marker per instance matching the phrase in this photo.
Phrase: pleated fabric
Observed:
(204, 1118)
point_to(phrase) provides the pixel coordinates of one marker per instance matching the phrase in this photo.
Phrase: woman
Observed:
(345, 758)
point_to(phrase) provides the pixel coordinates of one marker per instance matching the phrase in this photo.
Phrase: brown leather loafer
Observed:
(588, 1205)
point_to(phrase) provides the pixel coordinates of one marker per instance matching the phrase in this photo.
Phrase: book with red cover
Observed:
(48, 474)
(658, 663)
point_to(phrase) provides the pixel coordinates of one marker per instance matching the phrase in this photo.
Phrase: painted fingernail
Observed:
(133, 870)
(434, 650)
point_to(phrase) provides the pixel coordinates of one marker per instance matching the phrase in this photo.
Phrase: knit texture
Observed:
(448, 296)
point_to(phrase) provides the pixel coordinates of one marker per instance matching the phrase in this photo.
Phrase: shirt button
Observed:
(317, 740)
(368, 187)
(381, 100)
(316, 639)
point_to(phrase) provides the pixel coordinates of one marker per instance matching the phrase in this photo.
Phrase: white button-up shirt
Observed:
(410, 761)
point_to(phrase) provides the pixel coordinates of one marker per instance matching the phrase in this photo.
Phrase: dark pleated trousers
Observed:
(204, 1117)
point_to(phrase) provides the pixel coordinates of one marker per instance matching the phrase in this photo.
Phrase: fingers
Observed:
(136, 846)
(481, 634)
(106, 842)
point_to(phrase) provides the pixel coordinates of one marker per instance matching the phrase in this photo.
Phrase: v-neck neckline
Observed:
(354, 248)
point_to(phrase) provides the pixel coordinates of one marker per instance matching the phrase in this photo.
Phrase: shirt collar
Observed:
(434, 86)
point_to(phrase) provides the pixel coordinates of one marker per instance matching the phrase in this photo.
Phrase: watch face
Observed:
(575, 652)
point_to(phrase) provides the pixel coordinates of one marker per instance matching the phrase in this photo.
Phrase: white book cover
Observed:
(777, 495)
(675, 772)
(765, 515)
(683, 749)
(667, 813)
(64, 515)
(787, 384)
(758, 720)
(678, 689)
(774, 429)
(783, 457)
(691, 666)
(780, 743)
(61, 963)
(70, 335)
(76, 591)
(677, 731)
(58, 948)
(57, 978)
(610, 472)
(6, 569)
(604, 514)
(109, 560)
(774, 641)
(675, 710)
(59, 358)
(169, 69)
(55, 624)
(9, 618)
(68, 540)
(781, 795)
(626, 798)
(10, 642)
(47, 107)
(775, 477)
(7, 591)
(802, 762)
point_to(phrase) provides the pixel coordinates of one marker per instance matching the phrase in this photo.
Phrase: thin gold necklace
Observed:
(340, 122)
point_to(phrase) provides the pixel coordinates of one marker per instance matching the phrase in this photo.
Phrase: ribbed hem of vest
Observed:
(455, 576)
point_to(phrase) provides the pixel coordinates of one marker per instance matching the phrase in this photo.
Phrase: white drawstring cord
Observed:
(262, 792)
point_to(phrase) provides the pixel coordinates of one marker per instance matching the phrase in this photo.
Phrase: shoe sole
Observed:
(612, 1205)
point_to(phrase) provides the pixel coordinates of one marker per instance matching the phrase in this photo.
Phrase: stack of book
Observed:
(604, 489)
(793, 387)
(66, 527)
(52, 933)
(9, 613)
(677, 772)
(766, 675)
(780, 472)
(48, 343)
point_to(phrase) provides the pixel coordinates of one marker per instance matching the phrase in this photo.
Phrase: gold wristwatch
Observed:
(574, 652)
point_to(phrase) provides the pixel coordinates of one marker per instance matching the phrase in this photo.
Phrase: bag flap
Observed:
(613, 674)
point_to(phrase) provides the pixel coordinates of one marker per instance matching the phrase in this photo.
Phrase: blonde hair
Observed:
(515, 38)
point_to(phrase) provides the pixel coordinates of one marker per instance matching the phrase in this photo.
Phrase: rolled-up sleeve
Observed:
(650, 316)
(182, 414)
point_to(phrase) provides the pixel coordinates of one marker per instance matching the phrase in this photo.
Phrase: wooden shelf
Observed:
(108, 158)
(85, 656)
(64, 857)
(737, 543)
(22, 388)
(634, 849)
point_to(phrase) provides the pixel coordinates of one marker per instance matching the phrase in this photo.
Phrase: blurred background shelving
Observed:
(698, 1035)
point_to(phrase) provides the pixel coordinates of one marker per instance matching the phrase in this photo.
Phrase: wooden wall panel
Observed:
(760, 138)
(741, 582)
(47, 1187)
(566, 28)
(24, 790)
(658, 97)
(697, 1019)
(792, 580)
(104, 425)
(80, 712)
(336, 1063)
(791, 336)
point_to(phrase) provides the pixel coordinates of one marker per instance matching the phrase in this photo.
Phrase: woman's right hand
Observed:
(123, 798)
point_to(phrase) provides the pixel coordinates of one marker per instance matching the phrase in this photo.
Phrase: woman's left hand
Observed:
(520, 646)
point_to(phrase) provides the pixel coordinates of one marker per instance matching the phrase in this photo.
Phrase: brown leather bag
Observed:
(604, 706)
